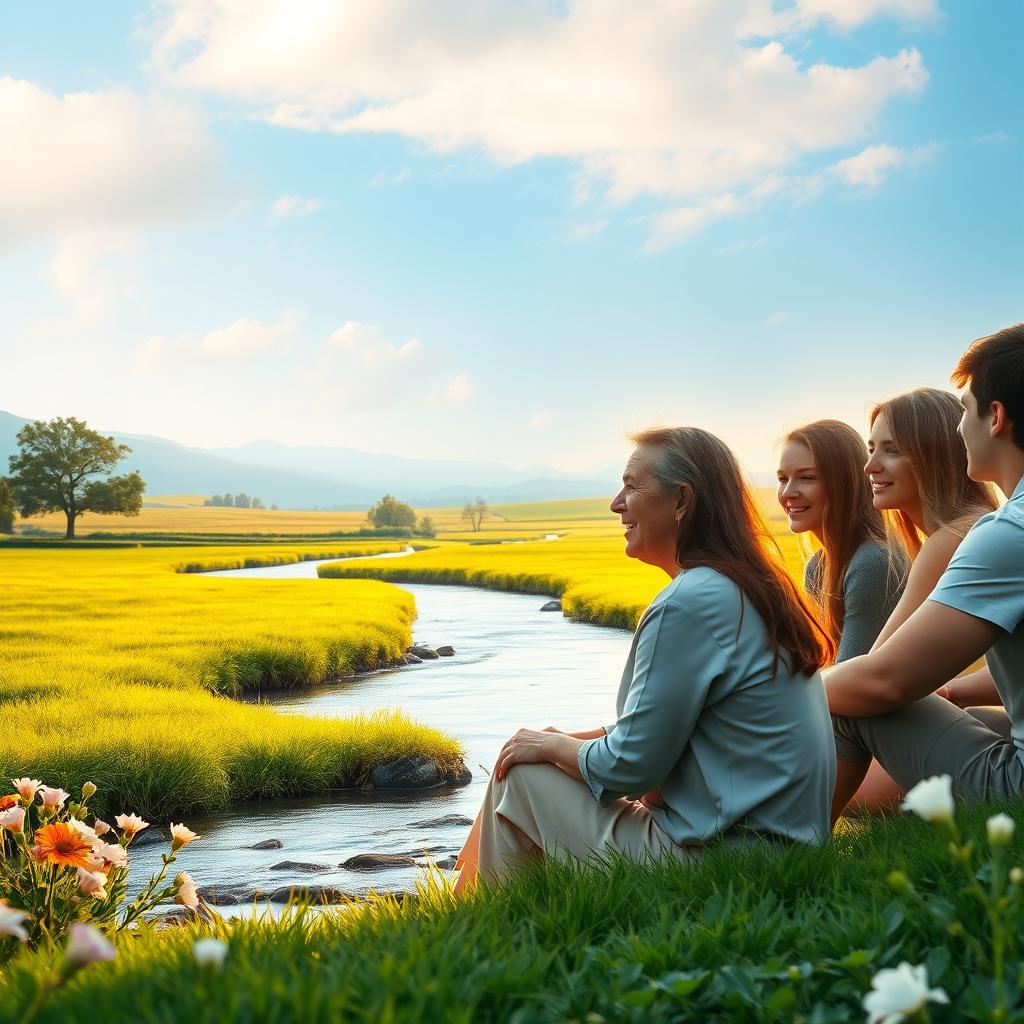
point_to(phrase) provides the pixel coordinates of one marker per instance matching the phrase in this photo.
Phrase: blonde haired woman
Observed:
(917, 469)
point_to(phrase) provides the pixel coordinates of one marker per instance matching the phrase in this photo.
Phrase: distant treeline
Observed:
(240, 500)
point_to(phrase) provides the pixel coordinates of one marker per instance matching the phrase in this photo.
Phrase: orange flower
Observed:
(7, 801)
(60, 844)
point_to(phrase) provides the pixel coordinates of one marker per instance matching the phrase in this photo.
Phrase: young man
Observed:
(884, 703)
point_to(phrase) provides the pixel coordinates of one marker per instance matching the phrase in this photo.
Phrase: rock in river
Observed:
(446, 651)
(265, 844)
(552, 606)
(416, 772)
(448, 819)
(311, 894)
(423, 653)
(297, 865)
(377, 862)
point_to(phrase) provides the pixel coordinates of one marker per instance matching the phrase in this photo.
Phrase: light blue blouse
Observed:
(735, 748)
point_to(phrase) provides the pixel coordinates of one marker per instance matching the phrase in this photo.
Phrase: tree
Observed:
(7, 507)
(57, 470)
(256, 503)
(476, 512)
(426, 527)
(389, 511)
(229, 500)
(242, 500)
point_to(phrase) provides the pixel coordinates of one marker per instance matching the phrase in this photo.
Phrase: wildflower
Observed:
(13, 819)
(60, 844)
(130, 824)
(10, 922)
(7, 801)
(38, 852)
(86, 945)
(26, 788)
(898, 993)
(100, 827)
(88, 790)
(112, 853)
(210, 952)
(87, 833)
(53, 799)
(1000, 829)
(1017, 876)
(92, 883)
(181, 836)
(931, 799)
(186, 893)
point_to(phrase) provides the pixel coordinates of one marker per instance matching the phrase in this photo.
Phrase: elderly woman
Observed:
(723, 729)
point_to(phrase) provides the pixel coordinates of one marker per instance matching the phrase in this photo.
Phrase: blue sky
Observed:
(509, 231)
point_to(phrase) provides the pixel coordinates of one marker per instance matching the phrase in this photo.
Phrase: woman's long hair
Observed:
(849, 519)
(923, 424)
(723, 529)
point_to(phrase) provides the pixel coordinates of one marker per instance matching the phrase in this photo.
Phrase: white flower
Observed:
(86, 945)
(130, 824)
(92, 883)
(210, 952)
(26, 787)
(87, 833)
(181, 836)
(1000, 829)
(112, 852)
(13, 819)
(53, 798)
(896, 994)
(186, 893)
(10, 922)
(931, 799)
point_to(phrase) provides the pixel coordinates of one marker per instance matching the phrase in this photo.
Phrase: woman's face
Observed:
(648, 514)
(801, 492)
(893, 485)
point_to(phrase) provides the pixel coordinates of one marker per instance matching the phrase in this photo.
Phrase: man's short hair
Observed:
(994, 366)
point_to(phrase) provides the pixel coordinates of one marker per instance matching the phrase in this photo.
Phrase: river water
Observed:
(514, 666)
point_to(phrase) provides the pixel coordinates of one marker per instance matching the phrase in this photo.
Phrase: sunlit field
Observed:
(114, 666)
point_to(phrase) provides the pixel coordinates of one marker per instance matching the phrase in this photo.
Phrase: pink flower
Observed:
(130, 824)
(100, 827)
(92, 883)
(26, 787)
(181, 836)
(112, 853)
(10, 922)
(87, 833)
(53, 798)
(186, 894)
(13, 819)
(86, 945)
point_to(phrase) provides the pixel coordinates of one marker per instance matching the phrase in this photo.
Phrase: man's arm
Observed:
(935, 644)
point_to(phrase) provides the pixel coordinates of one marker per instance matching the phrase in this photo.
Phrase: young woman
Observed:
(723, 730)
(824, 492)
(917, 469)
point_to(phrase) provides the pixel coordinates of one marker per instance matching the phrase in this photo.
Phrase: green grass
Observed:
(618, 942)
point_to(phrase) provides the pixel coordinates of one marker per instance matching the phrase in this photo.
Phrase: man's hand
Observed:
(533, 746)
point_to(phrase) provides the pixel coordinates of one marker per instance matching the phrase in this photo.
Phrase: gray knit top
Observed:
(870, 593)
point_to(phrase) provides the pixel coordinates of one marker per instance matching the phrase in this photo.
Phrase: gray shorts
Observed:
(934, 737)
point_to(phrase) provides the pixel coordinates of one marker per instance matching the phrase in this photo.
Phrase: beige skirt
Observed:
(538, 810)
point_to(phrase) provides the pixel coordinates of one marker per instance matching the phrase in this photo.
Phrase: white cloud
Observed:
(685, 102)
(89, 271)
(776, 318)
(457, 391)
(240, 342)
(293, 206)
(992, 138)
(383, 179)
(868, 169)
(582, 230)
(98, 160)
(675, 226)
(543, 420)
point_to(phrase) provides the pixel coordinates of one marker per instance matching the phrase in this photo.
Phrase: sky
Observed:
(510, 231)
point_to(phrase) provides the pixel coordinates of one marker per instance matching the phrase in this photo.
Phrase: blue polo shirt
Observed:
(985, 578)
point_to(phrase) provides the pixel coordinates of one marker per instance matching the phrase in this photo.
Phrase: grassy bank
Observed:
(753, 936)
(595, 580)
(114, 665)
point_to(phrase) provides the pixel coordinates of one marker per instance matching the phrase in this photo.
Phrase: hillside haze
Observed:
(326, 477)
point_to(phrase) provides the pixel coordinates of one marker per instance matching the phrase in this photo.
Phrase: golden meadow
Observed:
(119, 665)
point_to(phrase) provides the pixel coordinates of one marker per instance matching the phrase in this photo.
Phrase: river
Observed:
(514, 666)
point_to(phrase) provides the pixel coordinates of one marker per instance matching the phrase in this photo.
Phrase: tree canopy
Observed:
(7, 507)
(60, 467)
(389, 511)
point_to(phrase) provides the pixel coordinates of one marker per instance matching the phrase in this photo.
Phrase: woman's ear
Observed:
(684, 501)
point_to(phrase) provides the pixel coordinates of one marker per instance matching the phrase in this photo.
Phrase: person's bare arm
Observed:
(925, 571)
(934, 645)
(973, 690)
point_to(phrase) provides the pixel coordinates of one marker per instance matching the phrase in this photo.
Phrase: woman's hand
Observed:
(528, 746)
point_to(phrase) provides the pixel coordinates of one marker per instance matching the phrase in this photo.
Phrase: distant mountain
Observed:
(308, 477)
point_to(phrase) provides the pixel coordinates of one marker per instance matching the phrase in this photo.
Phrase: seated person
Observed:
(885, 703)
(723, 729)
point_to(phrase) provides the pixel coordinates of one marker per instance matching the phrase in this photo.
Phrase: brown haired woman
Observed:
(824, 492)
(723, 730)
(917, 469)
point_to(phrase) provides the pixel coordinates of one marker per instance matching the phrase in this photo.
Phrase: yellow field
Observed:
(112, 665)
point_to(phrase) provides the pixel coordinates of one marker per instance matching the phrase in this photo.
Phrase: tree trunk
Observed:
(70, 535)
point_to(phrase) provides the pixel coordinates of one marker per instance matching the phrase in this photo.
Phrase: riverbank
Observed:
(116, 665)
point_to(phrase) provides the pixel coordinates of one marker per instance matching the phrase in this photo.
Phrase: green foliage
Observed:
(390, 512)
(57, 467)
(755, 935)
(425, 527)
(242, 500)
(7, 507)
